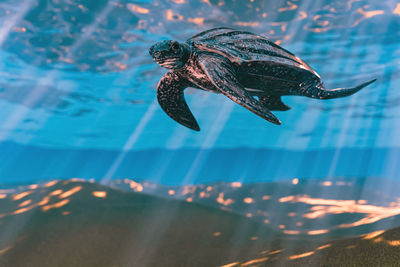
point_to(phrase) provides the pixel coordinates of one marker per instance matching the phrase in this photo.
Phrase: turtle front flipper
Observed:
(273, 103)
(222, 75)
(172, 100)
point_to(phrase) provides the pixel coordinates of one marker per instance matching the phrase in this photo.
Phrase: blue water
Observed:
(77, 92)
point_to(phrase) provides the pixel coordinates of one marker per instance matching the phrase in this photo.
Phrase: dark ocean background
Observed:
(194, 166)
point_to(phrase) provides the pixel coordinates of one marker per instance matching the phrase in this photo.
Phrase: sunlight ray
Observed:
(37, 92)
(10, 22)
(129, 144)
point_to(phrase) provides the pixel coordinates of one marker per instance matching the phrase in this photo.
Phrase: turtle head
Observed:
(170, 54)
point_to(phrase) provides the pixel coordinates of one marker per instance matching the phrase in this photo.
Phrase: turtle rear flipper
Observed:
(221, 74)
(273, 103)
(317, 91)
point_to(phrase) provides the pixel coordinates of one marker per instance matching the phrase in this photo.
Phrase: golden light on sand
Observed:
(322, 207)
(316, 201)
(101, 194)
(3, 196)
(291, 232)
(56, 192)
(249, 215)
(137, 9)
(394, 243)
(281, 226)
(318, 232)
(189, 199)
(374, 214)
(137, 187)
(25, 203)
(22, 210)
(4, 250)
(44, 201)
(55, 205)
(33, 186)
(51, 183)
(171, 192)
(303, 255)
(326, 183)
(222, 201)
(291, 214)
(396, 11)
(373, 234)
(236, 184)
(324, 247)
(209, 188)
(204, 194)
(71, 192)
(21, 195)
(248, 200)
(248, 263)
(266, 221)
(188, 189)
(275, 252)
(231, 264)
(77, 180)
(286, 199)
(266, 197)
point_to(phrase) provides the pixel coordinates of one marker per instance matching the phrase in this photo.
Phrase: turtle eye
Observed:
(175, 46)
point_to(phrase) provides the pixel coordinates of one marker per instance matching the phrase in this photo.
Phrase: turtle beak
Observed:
(154, 54)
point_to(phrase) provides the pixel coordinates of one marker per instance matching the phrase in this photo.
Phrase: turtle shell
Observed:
(242, 46)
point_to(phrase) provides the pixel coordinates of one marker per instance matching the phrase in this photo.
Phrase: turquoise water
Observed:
(77, 93)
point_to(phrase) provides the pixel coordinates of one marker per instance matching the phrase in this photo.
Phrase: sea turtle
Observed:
(240, 65)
